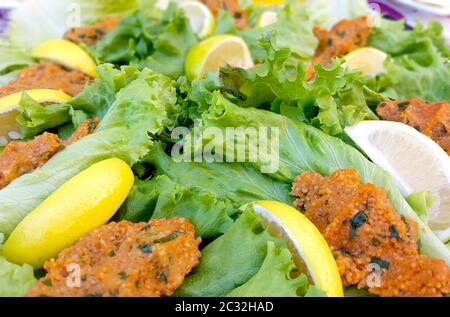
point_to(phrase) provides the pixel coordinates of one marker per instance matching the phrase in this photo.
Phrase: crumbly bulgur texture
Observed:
(366, 233)
(47, 76)
(90, 35)
(125, 259)
(345, 37)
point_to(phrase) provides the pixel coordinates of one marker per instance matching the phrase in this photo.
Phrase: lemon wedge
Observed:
(215, 52)
(415, 162)
(311, 252)
(200, 17)
(9, 104)
(368, 60)
(266, 19)
(83, 203)
(67, 54)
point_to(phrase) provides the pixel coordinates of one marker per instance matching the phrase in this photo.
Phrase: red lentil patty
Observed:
(365, 232)
(47, 76)
(345, 37)
(90, 35)
(125, 259)
(431, 119)
(20, 158)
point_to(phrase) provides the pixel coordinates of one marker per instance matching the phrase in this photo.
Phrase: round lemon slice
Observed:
(67, 54)
(215, 52)
(415, 162)
(200, 17)
(8, 108)
(368, 60)
(311, 252)
(267, 18)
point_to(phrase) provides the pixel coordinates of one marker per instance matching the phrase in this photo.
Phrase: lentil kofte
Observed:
(238, 14)
(20, 158)
(125, 259)
(90, 35)
(345, 37)
(431, 119)
(47, 76)
(363, 229)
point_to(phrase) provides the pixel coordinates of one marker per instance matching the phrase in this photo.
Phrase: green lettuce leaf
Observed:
(15, 280)
(139, 109)
(305, 148)
(420, 202)
(294, 31)
(392, 37)
(333, 100)
(12, 59)
(231, 260)
(273, 278)
(93, 101)
(419, 65)
(224, 23)
(163, 198)
(314, 291)
(35, 118)
(239, 183)
(196, 96)
(160, 45)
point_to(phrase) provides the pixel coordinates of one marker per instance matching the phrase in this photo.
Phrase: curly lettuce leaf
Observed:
(335, 99)
(273, 278)
(163, 198)
(93, 101)
(408, 77)
(305, 148)
(239, 183)
(160, 45)
(231, 260)
(35, 118)
(393, 38)
(294, 31)
(419, 66)
(196, 96)
(139, 108)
